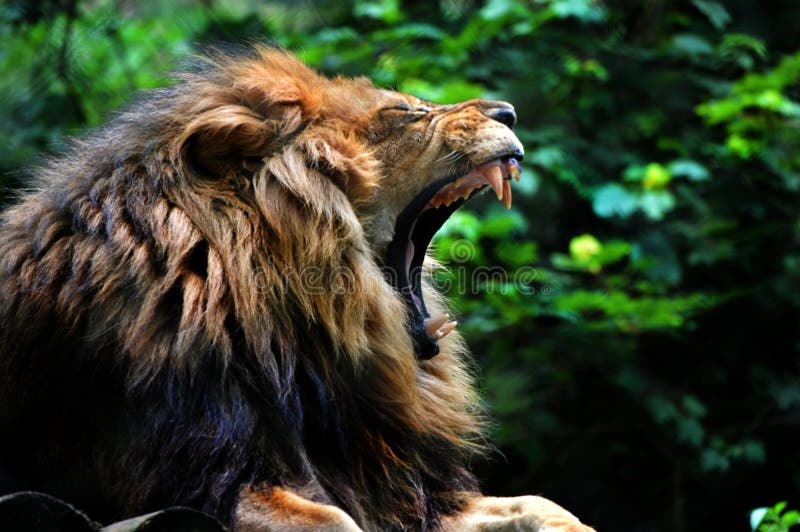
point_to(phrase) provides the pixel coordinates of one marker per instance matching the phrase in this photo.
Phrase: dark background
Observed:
(639, 346)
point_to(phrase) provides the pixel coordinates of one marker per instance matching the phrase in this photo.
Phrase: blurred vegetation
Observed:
(641, 355)
(774, 519)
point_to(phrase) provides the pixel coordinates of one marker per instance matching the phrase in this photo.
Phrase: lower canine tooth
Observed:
(446, 329)
(432, 325)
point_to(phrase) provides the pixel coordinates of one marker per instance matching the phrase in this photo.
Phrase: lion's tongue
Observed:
(409, 255)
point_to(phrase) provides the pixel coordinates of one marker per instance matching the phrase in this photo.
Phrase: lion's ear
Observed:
(249, 113)
(233, 137)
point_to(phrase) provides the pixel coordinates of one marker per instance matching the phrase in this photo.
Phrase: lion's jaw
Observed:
(434, 157)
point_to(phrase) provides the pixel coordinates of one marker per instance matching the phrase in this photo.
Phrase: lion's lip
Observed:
(419, 222)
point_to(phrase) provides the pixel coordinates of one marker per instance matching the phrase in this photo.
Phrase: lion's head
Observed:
(433, 158)
(403, 165)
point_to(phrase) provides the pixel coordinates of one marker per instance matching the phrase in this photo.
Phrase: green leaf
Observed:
(753, 451)
(693, 406)
(713, 460)
(694, 46)
(786, 394)
(500, 223)
(622, 312)
(613, 199)
(583, 10)
(517, 254)
(716, 13)
(741, 146)
(503, 9)
(689, 169)
(584, 247)
(662, 410)
(790, 519)
(387, 11)
(409, 31)
(655, 176)
(756, 517)
(723, 110)
(634, 173)
(739, 44)
(549, 157)
(613, 251)
(588, 254)
(690, 431)
(657, 203)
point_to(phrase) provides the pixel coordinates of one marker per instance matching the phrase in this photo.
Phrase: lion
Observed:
(219, 301)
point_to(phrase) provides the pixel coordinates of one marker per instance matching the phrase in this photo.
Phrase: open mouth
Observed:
(417, 224)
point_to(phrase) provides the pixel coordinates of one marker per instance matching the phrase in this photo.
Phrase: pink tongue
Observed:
(417, 302)
(409, 257)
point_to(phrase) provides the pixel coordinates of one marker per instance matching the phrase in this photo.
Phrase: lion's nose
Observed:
(504, 115)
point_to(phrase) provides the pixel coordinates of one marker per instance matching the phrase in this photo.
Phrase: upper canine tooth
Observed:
(494, 176)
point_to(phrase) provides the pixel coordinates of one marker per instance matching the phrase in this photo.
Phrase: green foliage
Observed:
(635, 315)
(774, 519)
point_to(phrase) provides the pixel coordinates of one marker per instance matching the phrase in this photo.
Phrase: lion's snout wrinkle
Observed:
(499, 111)
(194, 299)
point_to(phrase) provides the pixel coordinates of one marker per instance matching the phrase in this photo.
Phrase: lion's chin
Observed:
(414, 229)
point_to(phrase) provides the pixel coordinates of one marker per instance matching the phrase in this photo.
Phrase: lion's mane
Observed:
(188, 303)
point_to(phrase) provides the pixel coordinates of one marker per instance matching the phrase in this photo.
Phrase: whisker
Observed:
(451, 157)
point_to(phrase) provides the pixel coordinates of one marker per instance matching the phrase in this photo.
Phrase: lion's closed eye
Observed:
(406, 107)
(402, 106)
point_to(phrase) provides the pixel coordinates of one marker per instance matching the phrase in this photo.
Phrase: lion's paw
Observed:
(265, 509)
(500, 514)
